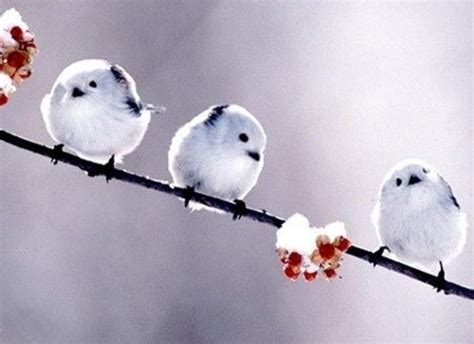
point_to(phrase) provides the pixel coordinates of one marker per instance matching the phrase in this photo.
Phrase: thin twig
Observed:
(229, 207)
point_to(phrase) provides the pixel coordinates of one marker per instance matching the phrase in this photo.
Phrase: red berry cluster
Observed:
(326, 257)
(16, 59)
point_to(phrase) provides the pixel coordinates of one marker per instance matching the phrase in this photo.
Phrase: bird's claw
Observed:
(57, 151)
(440, 280)
(375, 256)
(188, 194)
(239, 210)
(107, 170)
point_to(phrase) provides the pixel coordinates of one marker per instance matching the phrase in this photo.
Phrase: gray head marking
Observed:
(215, 113)
(119, 74)
(455, 201)
(451, 194)
(135, 106)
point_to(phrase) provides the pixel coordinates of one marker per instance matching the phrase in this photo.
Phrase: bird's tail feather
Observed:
(155, 109)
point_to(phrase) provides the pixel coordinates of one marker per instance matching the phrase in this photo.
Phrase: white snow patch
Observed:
(297, 235)
(6, 84)
(11, 18)
(333, 230)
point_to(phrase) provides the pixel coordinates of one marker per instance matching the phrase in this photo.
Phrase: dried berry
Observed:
(292, 272)
(327, 251)
(310, 276)
(17, 33)
(313, 251)
(330, 274)
(16, 59)
(3, 99)
(294, 258)
(343, 244)
(17, 49)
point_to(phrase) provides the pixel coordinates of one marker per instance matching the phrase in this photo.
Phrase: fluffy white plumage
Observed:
(220, 152)
(95, 111)
(417, 216)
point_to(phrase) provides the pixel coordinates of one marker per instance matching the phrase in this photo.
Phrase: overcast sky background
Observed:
(343, 90)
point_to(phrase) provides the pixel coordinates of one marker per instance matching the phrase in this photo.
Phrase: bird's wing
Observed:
(450, 192)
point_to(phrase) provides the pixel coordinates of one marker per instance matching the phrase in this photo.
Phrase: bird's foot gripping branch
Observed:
(325, 251)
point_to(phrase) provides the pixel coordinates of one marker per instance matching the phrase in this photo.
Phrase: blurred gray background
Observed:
(344, 91)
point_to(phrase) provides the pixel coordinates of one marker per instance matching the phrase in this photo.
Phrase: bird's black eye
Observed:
(398, 181)
(93, 84)
(425, 170)
(243, 137)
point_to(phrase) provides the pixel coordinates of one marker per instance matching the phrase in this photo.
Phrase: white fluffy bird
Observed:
(418, 218)
(95, 111)
(219, 152)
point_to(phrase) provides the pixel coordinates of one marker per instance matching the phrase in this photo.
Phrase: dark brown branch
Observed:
(229, 207)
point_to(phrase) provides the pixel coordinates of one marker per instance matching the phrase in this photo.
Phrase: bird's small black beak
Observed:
(254, 155)
(413, 179)
(76, 92)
